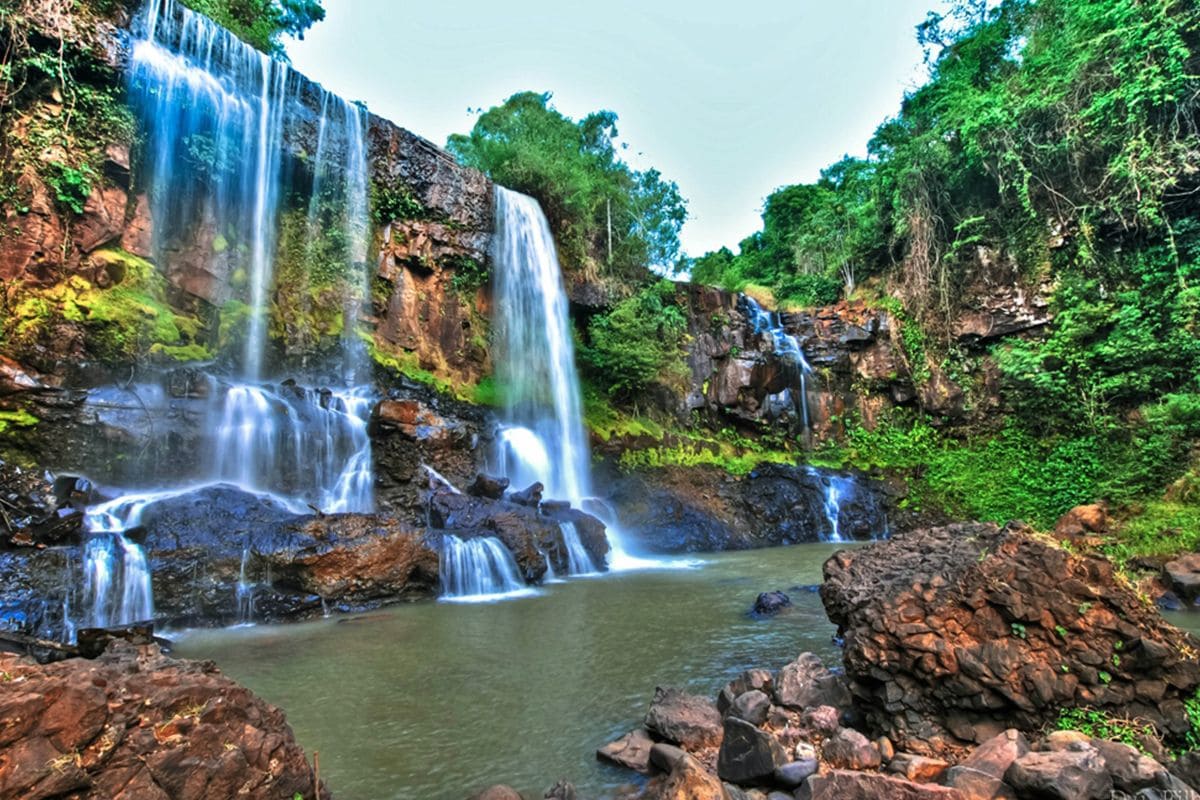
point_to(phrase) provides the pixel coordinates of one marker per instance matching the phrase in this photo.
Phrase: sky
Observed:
(730, 100)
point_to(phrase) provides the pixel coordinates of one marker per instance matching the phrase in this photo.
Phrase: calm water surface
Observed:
(433, 700)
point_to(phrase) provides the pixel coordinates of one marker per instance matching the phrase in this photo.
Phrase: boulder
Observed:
(531, 495)
(849, 749)
(688, 780)
(841, 784)
(820, 722)
(748, 755)
(488, 486)
(38, 510)
(752, 679)
(665, 756)
(806, 683)
(688, 720)
(136, 723)
(563, 790)
(950, 632)
(980, 776)
(752, 706)
(1183, 574)
(631, 751)
(768, 604)
(794, 773)
(1062, 774)
(1082, 520)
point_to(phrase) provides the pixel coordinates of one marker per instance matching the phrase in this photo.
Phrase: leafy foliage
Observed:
(637, 342)
(585, 189)
(262, 23)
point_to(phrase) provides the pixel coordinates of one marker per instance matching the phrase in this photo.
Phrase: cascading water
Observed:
(787, 349)
(579, 561)
(479, 569)
(218, 117)
(543, 437)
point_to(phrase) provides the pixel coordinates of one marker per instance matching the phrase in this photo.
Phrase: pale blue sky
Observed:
(731, 100)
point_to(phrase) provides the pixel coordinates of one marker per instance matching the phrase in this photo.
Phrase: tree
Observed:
(606, 216)
(263, 23)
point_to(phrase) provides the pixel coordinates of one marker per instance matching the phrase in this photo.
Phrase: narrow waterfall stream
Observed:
(787, 349)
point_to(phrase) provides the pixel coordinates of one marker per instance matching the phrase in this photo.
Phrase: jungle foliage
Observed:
(607, 217)
(262, 23)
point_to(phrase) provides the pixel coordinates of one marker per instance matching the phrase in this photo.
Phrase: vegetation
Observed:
(637, 342)
(1099, 724)
(262, 23)
(607, 218)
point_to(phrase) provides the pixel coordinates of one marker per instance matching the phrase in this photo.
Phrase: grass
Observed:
(1103, 725)
(16, 419)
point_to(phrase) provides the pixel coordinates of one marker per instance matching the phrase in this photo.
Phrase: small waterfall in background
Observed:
(542, 437)
(478, 570)
(787, 349)
(217, 116)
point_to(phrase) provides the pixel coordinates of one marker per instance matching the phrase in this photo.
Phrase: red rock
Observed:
(1080, 520)
(102, 220)
(851, 785)
(134, 724)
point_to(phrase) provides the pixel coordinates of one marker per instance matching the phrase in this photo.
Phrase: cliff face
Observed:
(63, 227)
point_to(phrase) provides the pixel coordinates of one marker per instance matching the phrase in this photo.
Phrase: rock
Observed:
(981, 775)
(1082, 520)
(1187, 768)
(135, 723)
(497, 792)
(665, 756)
(849, 749)
(919, 769)
(688, 720)
(768, 604)
(1066, 740)
(563, 790)
(840, 784)
(806, 683)
(948, 630)
(750, 680)
(887, 750)
(38, 510)
(631, 751)
(1131, 770)
(529, 496)
(487, 486)
(689, 780)
(1063, 774)
(794, 773)
(821, 721)
(752, 706)
(1184, 576)
(748, 755)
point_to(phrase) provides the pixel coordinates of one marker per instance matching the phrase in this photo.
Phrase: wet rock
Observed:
(1063, 774)
(752, 706)
(135, 723)
(748, 755)
(768, 604)
(1184, 576)
(531, 495)
(38, 510)
(840, 784)
(665, 756)
(948, 630)
(563, 790)
(631, 751)
(806, 683)
(849, 749)
(688, 720)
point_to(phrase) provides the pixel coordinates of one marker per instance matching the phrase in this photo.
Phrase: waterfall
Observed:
(579, 560)
(837, 489)
(787, 349)
(543, 437)
(222, 123)
(478, 569)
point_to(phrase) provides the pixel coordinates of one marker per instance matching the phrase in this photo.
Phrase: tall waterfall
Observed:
(222, 121)
(787, 349)
(543, 437)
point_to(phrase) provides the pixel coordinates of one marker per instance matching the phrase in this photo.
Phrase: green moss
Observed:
(16, 419)
(185, 352)
(691, 455)
(125, 320)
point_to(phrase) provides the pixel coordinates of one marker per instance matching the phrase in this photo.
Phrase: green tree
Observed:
(606, 216)
(263, 23)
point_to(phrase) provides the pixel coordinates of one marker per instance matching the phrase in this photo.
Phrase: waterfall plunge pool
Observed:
(432, 701)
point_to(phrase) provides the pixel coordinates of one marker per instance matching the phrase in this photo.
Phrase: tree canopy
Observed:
(606, 216)
(263, 23)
